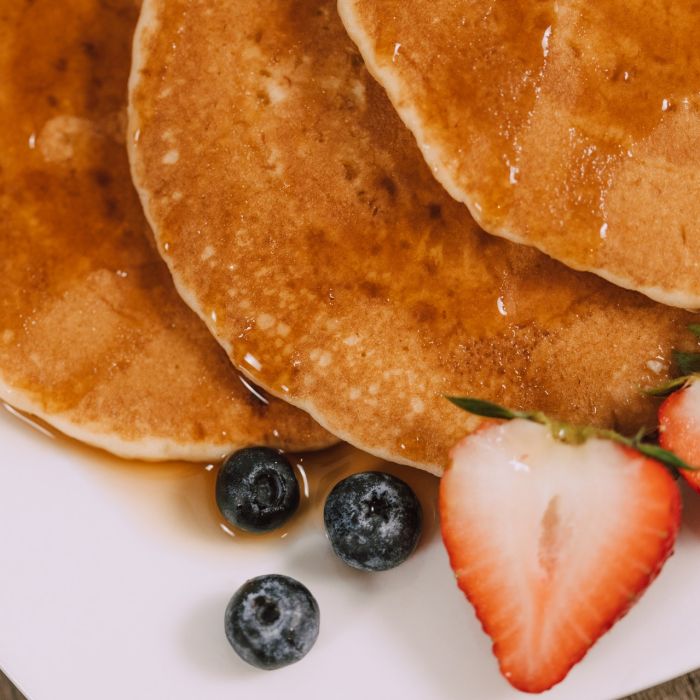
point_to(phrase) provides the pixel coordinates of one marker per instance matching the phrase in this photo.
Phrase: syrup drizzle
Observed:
(191, 486)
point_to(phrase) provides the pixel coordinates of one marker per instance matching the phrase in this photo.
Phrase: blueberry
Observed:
(272, 621)
(256, 489)
(373, 521)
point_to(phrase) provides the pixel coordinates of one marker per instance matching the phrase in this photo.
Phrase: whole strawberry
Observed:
(553, 533)
(679, 427)
(679, 414)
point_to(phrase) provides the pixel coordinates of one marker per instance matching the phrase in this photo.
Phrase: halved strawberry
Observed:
(679, 428)
(552, 542)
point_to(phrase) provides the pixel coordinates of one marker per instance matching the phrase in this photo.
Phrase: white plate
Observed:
(114, 580)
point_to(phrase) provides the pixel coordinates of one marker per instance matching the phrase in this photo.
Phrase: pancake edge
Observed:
(436, 159)
(147, 450)
(149, 16)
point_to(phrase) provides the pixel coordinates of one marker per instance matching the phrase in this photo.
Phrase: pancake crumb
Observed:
(325, 359)
(171, 157)
(265, 322)
(417, 406)
(63, 137)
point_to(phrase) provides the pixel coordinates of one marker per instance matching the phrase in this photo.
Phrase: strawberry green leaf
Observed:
(486, 409)
(667, 458)
(668, 388)
(688, 362)
(571, 434)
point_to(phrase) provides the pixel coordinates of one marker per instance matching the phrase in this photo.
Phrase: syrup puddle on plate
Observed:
(181, 495)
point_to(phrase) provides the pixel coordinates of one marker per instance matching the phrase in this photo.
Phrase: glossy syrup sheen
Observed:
(572, 126)
(183, 494)
(62, 120)
(297, 214)
(92, 333)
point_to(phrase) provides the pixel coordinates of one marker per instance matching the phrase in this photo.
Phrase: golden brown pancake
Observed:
(93, 337)
(300, 221)
(568, 125)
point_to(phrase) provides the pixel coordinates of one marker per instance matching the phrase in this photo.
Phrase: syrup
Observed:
(336, 270)
(184, 493)
(574, 129)
(90, 325)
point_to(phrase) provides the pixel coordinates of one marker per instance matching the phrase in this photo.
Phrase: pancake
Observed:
(93, 337)
(567, 125)
(300, 221)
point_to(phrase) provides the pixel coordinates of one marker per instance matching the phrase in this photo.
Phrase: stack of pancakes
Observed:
(330, 255)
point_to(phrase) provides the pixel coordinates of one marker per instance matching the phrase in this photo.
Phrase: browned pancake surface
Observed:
(300, 220)
(569, 125)
(93, 336)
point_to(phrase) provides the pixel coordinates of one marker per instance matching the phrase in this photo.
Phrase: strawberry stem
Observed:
(688, 364)
(669, 387)
(487, 409)
(572, 434)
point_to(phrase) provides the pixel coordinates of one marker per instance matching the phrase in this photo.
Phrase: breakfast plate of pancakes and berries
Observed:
(348, 348)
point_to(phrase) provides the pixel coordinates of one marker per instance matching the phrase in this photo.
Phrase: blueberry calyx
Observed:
(256, 489)
(373, 521)
(272, 621)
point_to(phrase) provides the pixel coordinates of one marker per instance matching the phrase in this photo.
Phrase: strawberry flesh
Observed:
(679, 429)
(552, 543)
